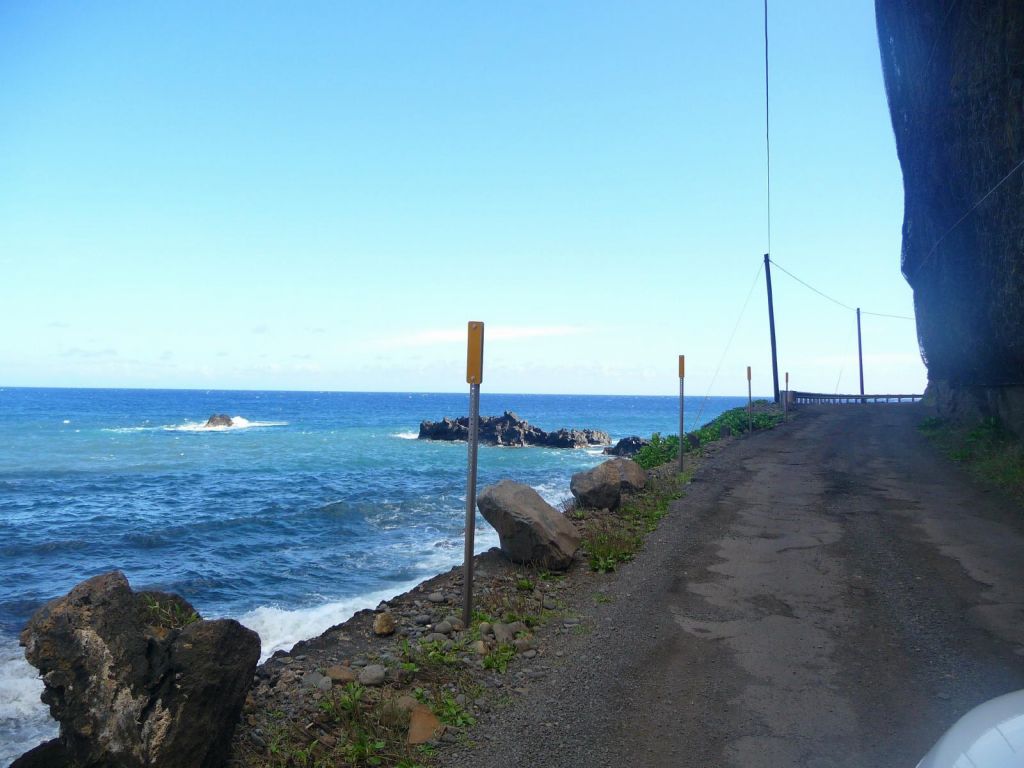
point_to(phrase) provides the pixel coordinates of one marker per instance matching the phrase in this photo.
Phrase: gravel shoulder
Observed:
(829, 593)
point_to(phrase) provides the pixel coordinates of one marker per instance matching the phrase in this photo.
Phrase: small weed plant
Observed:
(499, 658)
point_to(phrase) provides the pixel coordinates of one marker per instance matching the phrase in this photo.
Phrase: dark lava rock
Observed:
(627, 446)
(137, 679)
(575, 438)
(509, 430)
(49, 754)
(219, 420)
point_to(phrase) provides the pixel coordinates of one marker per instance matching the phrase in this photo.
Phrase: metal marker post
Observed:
(474, 375)
(785, 403)
(682, 427)
(750, 405)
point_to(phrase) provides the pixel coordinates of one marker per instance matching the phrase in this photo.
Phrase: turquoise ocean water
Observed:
(316, 505)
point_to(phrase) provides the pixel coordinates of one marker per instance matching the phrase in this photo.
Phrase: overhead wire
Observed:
(963, 218)
(811, 287)
(836, 301)
(728, 344)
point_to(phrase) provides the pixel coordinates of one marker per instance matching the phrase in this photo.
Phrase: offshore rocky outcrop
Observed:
(954, 74)
(137, 678)
(627, 446)
(509, 430)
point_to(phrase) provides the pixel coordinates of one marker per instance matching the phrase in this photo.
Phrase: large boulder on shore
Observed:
(602, 487)
(632, 477)
(597, 488)
(137, 678)
(530, 529)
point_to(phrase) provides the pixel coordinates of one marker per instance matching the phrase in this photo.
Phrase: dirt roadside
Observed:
(829, 593)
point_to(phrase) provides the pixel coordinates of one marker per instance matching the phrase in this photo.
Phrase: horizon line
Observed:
(4, 387)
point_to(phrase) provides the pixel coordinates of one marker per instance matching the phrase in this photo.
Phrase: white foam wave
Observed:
(24, 719)
(407, 435)
(237, 423)
(554, 494)
(279, 628)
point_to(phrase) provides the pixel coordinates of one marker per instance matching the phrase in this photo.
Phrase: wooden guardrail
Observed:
(820, 398)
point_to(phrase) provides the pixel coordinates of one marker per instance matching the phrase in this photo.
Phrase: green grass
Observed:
(499, 659)
(614, 538)
(662, 450)
(169, 614)
(986, 449)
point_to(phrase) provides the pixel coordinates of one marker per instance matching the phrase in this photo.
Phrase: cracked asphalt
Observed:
(830, 593)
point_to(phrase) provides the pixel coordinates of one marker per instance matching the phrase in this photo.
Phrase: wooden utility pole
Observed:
(771, 326)
(860, 353)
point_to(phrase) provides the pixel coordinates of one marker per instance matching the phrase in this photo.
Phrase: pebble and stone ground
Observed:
(830, 593)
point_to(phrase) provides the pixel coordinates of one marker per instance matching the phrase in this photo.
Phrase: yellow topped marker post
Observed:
(750, 404)
(474, 375)
(682, 426)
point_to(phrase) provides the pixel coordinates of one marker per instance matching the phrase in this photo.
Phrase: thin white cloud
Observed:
(435, 337)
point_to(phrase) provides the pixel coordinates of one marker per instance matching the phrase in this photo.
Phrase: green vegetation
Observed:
(450, 712)
(499, 658)
(987, 450)
(659, 451)
(169, 614)
(663, 450)
(613, 538)
(354, 726)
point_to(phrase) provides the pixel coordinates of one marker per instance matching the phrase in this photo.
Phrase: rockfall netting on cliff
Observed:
(954, 73)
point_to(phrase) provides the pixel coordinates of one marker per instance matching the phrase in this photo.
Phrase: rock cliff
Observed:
(954, 74)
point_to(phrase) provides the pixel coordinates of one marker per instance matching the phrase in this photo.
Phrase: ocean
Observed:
(312, 506)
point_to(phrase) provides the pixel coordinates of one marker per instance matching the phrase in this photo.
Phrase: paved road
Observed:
(831, 593)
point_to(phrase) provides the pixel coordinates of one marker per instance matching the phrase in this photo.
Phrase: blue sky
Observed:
(321, 195)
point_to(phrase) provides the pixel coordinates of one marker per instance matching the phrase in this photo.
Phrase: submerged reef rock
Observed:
(954, 74)
(530, 529)
(510, 430)
(219, 420)
(137, 678)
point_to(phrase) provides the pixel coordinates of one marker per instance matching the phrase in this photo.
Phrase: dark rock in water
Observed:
(627, 446)
(530, 530)
(137, 679)
(598, 488)
(575, 438)
(219, 420)
(509, 430)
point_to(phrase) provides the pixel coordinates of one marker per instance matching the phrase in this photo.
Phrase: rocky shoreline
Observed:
(398, 685)
(408, 683)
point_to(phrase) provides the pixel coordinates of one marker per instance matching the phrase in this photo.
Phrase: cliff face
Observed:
(954, 73)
